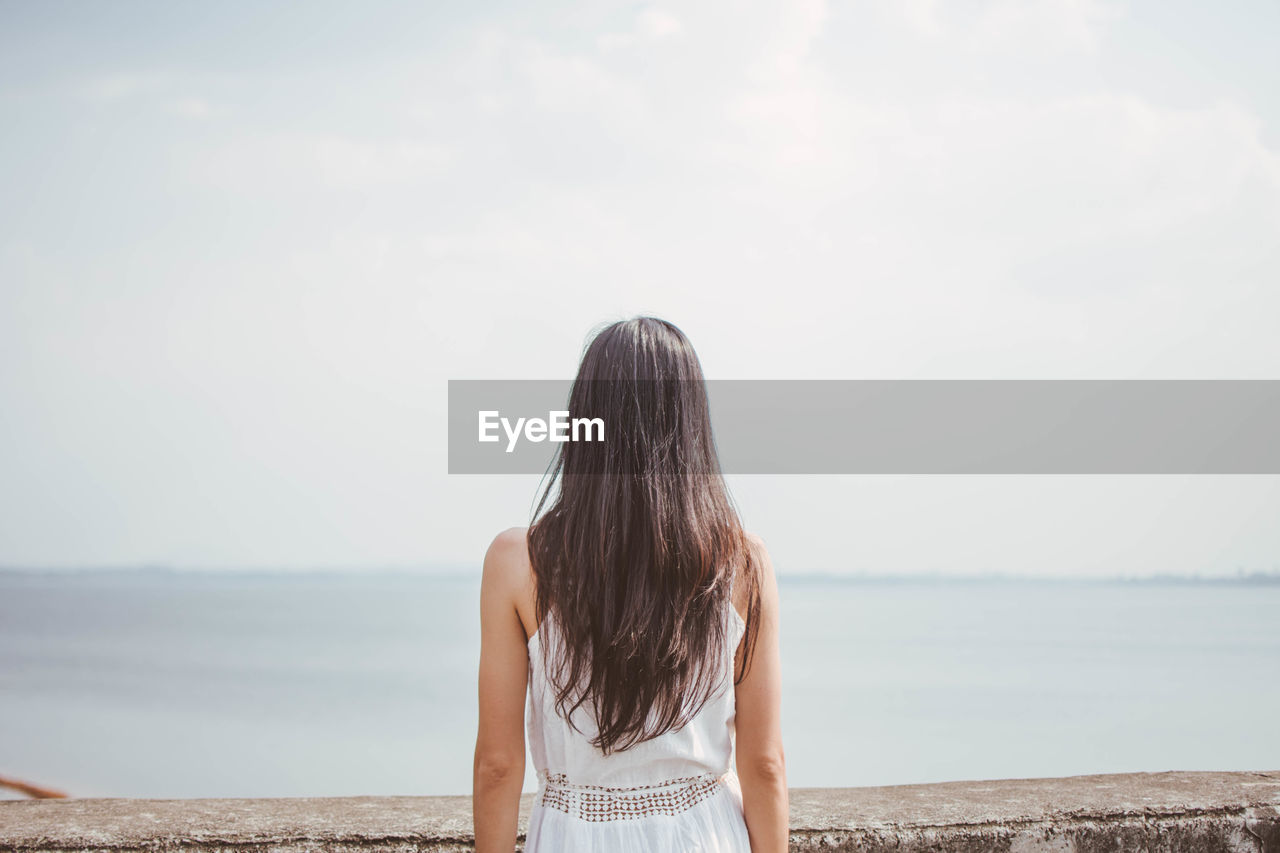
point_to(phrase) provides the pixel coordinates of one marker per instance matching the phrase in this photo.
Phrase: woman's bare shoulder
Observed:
(510, 541)
(760, 556)
(760, 565)
(507, 566)
(507, 560)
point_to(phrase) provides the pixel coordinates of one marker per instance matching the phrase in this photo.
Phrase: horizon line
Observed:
(458, 571)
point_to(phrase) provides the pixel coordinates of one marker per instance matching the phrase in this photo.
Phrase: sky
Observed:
(244, 246)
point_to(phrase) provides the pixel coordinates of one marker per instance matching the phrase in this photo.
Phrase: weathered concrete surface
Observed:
(1131, 811)
(1138, 811)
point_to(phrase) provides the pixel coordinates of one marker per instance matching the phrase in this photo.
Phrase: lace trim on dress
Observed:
(603, 803)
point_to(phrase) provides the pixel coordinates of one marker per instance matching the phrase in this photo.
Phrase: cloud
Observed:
(170, 92)
(1020, 26)
(651, 24)
(658, 23)
(194, 108)
(1044, 24)
(258, 163)
(120, 86)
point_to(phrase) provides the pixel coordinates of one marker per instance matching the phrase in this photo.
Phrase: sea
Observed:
(154, 683)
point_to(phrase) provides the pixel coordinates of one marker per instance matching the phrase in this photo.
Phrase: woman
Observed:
(643, 622)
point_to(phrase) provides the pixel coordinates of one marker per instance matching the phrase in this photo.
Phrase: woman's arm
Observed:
(761, 765)
(504, 677)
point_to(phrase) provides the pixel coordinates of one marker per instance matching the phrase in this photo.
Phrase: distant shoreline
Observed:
(473, 574)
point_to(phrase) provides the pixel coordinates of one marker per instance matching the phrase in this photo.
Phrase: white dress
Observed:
(677, 793)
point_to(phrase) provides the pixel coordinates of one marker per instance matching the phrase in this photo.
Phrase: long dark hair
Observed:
(635, 541)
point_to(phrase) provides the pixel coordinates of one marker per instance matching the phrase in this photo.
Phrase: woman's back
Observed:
(678, 791)
(620, 663)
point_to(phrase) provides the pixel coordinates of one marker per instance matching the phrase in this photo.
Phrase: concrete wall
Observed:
(1139, 811)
